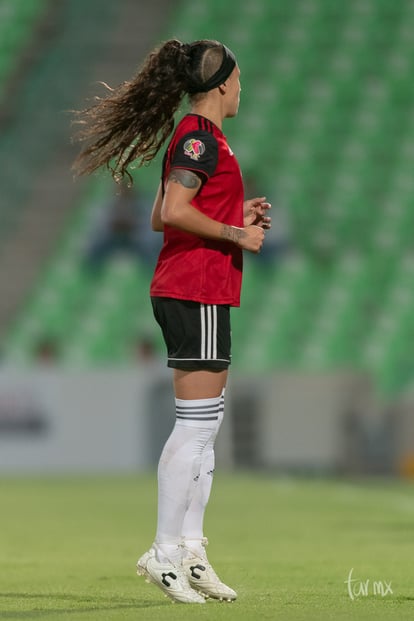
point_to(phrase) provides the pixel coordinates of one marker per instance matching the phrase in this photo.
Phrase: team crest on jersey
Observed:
(194, 148)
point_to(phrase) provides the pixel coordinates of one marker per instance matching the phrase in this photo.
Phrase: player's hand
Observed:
(255, 212)
(251, 238)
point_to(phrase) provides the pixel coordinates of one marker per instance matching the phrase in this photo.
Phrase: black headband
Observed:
(227, 65)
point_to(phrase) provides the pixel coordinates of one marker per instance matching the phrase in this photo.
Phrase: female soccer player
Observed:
(206, 224)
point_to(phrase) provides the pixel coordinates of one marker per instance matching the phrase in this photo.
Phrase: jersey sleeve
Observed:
(196, 151)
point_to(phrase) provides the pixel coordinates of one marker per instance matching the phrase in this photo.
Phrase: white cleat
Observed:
(203, 578)
(169, 577)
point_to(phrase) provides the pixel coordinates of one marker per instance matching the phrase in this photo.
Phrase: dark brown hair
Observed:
(133, 121)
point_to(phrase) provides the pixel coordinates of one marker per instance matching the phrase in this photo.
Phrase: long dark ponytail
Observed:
(133, 121)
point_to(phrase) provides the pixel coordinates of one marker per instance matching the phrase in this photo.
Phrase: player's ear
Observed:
(223, 88)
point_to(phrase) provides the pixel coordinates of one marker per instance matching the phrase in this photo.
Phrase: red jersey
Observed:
(191, 267)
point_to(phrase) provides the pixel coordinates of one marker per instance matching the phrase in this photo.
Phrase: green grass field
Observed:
(68, 549)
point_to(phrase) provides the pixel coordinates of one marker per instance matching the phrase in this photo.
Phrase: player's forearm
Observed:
(187, 218)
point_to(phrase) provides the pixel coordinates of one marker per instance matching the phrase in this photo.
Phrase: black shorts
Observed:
(197, 335)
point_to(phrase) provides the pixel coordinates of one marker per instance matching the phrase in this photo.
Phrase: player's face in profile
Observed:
(233, 92)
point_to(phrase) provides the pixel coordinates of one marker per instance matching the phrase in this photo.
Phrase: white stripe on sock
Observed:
(198, 409)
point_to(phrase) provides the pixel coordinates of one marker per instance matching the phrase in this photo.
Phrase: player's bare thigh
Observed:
(200, 384)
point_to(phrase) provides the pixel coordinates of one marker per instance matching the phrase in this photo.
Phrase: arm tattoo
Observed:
(232, 233)
(186, 178)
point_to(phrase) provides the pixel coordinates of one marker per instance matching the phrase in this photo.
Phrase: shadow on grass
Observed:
(95, 604)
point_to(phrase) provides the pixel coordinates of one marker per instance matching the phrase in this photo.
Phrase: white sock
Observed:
(168, 553)
(179, 469)
(192, 530)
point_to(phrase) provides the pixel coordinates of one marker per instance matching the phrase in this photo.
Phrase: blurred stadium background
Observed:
(323, 371)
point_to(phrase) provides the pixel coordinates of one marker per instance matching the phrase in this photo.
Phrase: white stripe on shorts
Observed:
(208, 315)
(215, 331)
